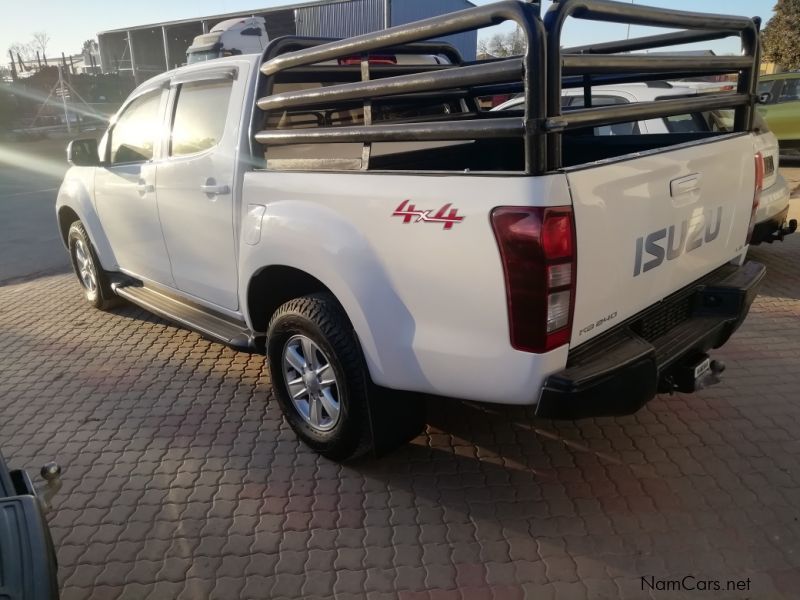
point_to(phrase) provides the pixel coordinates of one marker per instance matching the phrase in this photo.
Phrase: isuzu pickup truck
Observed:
(349, 209)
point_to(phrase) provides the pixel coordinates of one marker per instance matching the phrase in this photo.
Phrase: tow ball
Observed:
(693, 375)
(785, 229)
(51, 473)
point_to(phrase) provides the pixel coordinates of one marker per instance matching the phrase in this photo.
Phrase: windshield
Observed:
(201, 56)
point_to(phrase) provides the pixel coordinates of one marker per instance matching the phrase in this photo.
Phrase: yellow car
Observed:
(780, 106)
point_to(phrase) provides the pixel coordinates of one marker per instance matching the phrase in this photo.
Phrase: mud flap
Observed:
(395, 418)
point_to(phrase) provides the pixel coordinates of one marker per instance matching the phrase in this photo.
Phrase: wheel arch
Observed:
(66, 217)
(74, 203)
(273, 286)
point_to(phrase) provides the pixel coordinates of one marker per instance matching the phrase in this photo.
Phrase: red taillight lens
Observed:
(557, 236)
(759, 187)
(537, 248)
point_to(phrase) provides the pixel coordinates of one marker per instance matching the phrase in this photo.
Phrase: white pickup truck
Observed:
(349, 209)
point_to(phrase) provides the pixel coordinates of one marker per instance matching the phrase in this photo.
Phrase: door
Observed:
(125, 189)
(783, 113)
(195, 186)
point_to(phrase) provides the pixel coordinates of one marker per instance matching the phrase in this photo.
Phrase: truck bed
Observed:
(507, 155)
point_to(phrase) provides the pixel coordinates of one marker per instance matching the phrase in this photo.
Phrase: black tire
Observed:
(320, 318)
(100, 295)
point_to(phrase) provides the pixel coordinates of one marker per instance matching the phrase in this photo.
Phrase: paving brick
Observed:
(181, 479)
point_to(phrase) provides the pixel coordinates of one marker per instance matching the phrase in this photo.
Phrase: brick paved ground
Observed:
(182, 481)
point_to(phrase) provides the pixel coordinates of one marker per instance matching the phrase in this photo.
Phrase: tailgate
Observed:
(649, 226)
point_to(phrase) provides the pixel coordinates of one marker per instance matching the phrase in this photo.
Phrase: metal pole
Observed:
(165, 39)
(133, 60)
(13, 66)
(63, 91)
(628, 35)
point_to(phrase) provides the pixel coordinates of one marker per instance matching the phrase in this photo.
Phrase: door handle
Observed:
(212, 188)
(145, 188)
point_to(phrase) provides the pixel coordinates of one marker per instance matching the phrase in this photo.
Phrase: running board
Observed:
(204, 321)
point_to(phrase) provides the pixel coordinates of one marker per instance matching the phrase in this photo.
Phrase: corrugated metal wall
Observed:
(406, 11)
(341, 19)
(355, 17)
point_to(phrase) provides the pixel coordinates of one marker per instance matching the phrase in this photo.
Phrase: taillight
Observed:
(537, 248)
(758, 188)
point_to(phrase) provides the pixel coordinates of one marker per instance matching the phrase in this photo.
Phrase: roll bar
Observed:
(540, 74)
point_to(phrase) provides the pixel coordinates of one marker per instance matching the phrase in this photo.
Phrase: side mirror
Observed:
(765, 98)
(83, 153)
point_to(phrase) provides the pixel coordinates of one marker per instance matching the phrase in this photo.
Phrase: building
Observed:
(146, 50)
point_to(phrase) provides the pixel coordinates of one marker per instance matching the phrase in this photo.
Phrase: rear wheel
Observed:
(93, 279)
(319, 376)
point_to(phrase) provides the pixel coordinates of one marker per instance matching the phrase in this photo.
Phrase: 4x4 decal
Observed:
(410, 212)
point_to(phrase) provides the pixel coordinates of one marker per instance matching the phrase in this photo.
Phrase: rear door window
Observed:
(790, 91)
(200, 113)
(630, 128)
(692, 123)
(688, 123)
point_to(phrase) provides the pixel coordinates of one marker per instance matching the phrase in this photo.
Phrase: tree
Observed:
(25, 51)
(40, 41)
(89, 47)
(781, 37)
(503, 44)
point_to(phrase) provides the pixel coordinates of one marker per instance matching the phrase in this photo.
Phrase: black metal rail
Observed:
(702, 25)
(640, 111)
(541, 74)
(402, 84)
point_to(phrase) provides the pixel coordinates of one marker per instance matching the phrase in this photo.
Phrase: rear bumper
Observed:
(619, 372)
(789, 147)
(774, 228)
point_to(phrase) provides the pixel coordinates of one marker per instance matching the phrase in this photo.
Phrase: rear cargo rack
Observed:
(541, 74)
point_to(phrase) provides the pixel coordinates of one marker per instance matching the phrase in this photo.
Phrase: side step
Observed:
(211, 324)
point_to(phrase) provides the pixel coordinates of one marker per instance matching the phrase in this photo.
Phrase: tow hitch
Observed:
(697, 373)
(785, 229)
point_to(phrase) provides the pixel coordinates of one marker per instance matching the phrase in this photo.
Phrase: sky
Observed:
(70, 23)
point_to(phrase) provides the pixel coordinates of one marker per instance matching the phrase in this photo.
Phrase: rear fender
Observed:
(317, 240)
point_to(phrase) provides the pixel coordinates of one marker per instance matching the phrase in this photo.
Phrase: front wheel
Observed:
(93, 279)
(319, 376)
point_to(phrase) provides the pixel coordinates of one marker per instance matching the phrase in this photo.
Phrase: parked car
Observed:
(381, 238)
(780, 107)
(772, 222)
